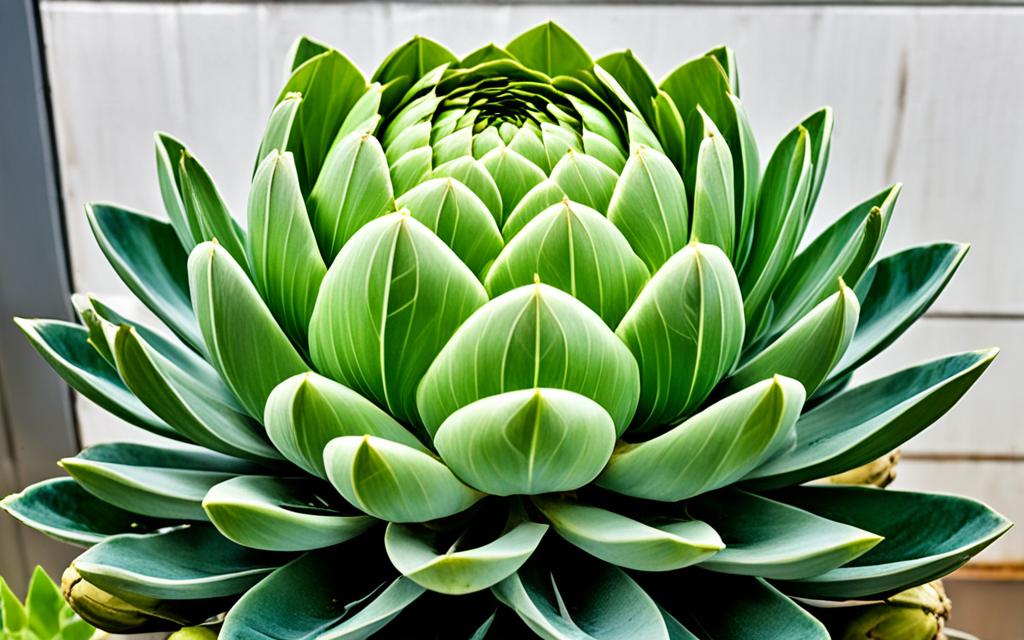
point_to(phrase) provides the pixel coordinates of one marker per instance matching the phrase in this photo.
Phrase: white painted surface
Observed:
(928, 96)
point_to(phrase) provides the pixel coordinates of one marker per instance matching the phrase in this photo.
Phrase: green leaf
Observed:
(702, 81)
(576, 249)
(550, 49)
(394, 482)
(286, 265)
(246, 344)
(411, 138)
(530, 441)
(407, 64)
(279, 514)
(415, 551)
(633, 79)
(649, 207)
(779, 221)
(810, 349)
(379, 337)
(144, 253)
(456, 215)
(727, 59)
(457, 144)
(520, 340)
(671, 130)
(353, 189)
(205, 413)
(169, 151)
(63, 510)
(819, 127)
(303, 49)
(746, 179)
(712, 449)
(412, 169)
(894, 293)
(864, 423)
(585, 180)
(685, 331)
(206, 209)
(597, 146)
(152, 481)
(364, 116)
(714, 217)
(557, 142)
(657, 545)
(474, 175)
(768, 539)
(696, 598)
(514, 175)
(844, 250)
(926, 537)
(537, 200)
(44, 606)
(640, 134)
(572, 601)
(531, 145)
(169, 564)
(14, 616)
(66, 348)
(280, 127)
(330, 86)
(304, 599)
(307, 411)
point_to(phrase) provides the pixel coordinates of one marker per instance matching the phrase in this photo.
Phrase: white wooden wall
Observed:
(928, 96)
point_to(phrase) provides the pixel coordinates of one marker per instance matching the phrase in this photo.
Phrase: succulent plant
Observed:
(43, 616)
(514, 342)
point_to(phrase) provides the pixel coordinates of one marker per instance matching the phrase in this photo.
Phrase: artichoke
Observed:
(515, 343)
(916, 614)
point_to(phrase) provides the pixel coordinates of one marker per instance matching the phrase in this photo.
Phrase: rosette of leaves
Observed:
(509, 343)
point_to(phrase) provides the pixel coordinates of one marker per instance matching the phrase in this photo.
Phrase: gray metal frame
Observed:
(37, 423)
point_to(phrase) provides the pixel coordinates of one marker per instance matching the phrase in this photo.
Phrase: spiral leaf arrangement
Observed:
(519, 342)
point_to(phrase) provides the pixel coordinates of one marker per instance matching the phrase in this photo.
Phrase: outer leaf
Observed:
(685, 331)
(205, 413)
(330, 85)
(844, 250)
(649, 207)
(365, 114)
(695, 598)
(862, 424)
(926, 537)
(394, 482)
(634, 80)
(819, 127)
(246, 345)
(671, 130)
(65, 347)
(894, 293)
(576, 249)
(276, 514)
(520, 340)
(413, 551)
(307, 411)
(748, 165)
(407, 64)
(44, 606)
(712, 449)
(63, 510)
(810, 349)
(143, 251)
(286, 265)
(662, 545)
(169, 151)
(779, 221)
(585, 179)
(14, 618)
(514, 175)
(303, 49)
(379, 337)
(152, 481)
(456, 215)
(590, 600)
(768, 539)
(165, 565)
(305, 600)
(530, 441)
(353, 189)
(714, 217)
(550, 49)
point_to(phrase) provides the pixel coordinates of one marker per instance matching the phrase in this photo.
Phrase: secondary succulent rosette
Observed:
(520, 341)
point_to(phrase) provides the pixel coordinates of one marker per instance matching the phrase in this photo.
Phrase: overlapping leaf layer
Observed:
(518, 342)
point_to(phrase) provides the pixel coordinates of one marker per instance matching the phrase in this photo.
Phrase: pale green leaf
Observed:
(412, 169)
(514, 175)
(394, 482)
(472, 173)
(714, 208)
(712, 449)
(530, 441)
(550, 49)
(538, 199)
(280, 127)
(585, 179)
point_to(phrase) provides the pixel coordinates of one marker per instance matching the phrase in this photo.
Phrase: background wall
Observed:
(929, 96)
